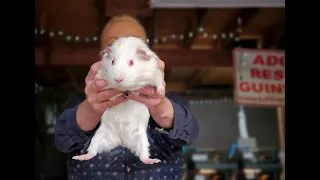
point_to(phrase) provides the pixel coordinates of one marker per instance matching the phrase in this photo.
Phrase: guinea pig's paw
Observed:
(99, 75)
(160, 90)
(150, 161)
(83, 157)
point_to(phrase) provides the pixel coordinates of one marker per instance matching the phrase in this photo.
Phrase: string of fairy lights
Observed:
(202, 34)
(201, 31)
(211, 101)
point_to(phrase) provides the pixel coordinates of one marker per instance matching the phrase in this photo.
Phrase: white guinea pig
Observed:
(127, 65)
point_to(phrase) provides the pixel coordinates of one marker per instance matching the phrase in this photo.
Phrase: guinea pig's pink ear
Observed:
(104, 52)
(142, 54)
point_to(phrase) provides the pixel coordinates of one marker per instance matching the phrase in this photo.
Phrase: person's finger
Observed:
(161, 65)
(92, 72)
(147, 91)
(101, 107)
(116, 101)
(106, 94)
(95, 86)
(149, 101)
(138, 97)
(110, 103)
(150, 91)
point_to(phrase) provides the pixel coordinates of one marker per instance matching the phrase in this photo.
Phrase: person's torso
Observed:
(121, 164)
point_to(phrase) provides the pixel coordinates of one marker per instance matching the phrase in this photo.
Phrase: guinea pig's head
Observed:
(129, 64)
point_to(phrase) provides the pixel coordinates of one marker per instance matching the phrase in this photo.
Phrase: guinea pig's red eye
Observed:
(112, 62)
(130, 62)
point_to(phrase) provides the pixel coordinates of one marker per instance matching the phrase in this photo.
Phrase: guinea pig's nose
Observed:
(119, 80)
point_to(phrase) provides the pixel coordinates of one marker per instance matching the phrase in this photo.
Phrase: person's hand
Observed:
(160, 107)
(99, 99)
(149, 95)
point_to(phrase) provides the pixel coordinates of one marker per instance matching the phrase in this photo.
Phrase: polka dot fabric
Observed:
(121, 164)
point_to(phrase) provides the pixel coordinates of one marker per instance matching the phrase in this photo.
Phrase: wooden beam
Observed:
(281, 123)
(167, 73)
(197, 76)
(149, 24)
(135, 8)
(171, 57)
(100, 10)
(200, 13)
(272, 35)
(281, 43)
(170, 87)
(42, 40)
(245, 14)
(175, 87)
(68, 56)
(39, 56)
(194, 58)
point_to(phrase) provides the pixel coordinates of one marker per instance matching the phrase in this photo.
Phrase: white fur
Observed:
(126, 124)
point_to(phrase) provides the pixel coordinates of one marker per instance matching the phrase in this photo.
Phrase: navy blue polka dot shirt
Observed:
(120, 163)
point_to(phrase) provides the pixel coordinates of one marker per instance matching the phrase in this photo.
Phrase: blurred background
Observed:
(195, 39)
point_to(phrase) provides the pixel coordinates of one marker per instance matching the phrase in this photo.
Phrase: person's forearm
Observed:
(69, 136)
(87, 119)
(184, 128)
(163, 114)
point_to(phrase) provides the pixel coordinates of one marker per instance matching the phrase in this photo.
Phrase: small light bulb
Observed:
(223, 35)
(205, 35)
(155, 40)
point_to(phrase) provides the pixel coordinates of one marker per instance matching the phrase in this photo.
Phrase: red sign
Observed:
(259, 77)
